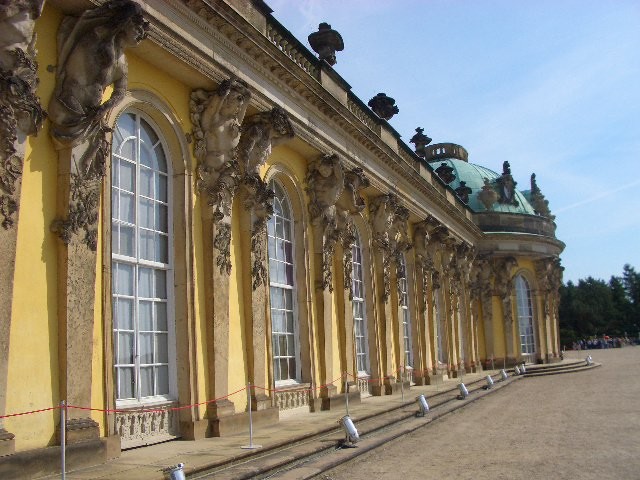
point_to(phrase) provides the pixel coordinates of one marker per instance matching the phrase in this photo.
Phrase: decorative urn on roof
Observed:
(383, 106)
(326, 42)
(463, 191)
(420, 140)
(445, 172)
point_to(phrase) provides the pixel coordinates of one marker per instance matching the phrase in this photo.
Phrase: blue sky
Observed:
(551, 86)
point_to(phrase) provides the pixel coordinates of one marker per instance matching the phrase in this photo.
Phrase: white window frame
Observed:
(357, 245)
(275, 185)
(136, 262)
(525, 316)
(403, 301)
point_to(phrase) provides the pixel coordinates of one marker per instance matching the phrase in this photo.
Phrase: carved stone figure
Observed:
(350, 203)
(538, 202)
(325, 184)
(420, 140)
(382, 210)
(91, 57)
(217, 117)
(487, 196)
(20, 111)
(260, 133)
(445, 172)
(503, 280)
(507, 186)
(463, 191)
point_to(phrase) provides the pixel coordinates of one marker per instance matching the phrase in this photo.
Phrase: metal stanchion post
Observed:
(402, 383)
(346, 393)
(251, 446)
(63, 440)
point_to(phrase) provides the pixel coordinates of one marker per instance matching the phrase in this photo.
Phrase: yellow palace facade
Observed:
(191, 201)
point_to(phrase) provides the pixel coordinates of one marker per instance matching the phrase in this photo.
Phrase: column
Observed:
(22, 116)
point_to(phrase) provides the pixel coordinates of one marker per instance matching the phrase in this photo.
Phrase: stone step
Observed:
(372, 429)
(582, 366)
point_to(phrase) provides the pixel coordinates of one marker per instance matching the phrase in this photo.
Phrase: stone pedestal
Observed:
(7, 443)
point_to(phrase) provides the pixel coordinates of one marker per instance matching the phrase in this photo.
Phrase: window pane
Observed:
(127, 207)
(127, 246)
(127, 172)
(162, 248)
(275, 345)
(146, 348)
(124, 314)
(162, 218)
(161, 316)
(282, 340)
(146, 381)
(161, 284)
(145, 315)
(125, 348)
(146, 156)
(162, 350)
(146, 213)
(161, 162)
(145, 282)
(277, 300)
(161, 188)
(125, 382)
(127, 149)
(146, 182)
(127, 125)
(115, 202)
(124, 279)
(162, 383)
(147, 245)
(147, 135)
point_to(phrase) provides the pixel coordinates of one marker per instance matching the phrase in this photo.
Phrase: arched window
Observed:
(142, 276)
(403, 297)
(525, 316)
(359, 309)
(284, 322)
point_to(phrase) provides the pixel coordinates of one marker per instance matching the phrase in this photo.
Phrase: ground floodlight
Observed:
(503, 374)
(523, 370)
(489, 382)
(516, 370)
(464, 393)
(423, 405)
(350, 431)
(175, 472)
(589, 360)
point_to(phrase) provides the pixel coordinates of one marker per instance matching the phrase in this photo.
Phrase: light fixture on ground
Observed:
(489, 383)
(589, 360)
(523, 369)
(516, 370)
(464, 393)
(175, 472)
(350, 431)
(423, 405)
(503, 374)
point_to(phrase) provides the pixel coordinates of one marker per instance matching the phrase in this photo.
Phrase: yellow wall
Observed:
(33, 354)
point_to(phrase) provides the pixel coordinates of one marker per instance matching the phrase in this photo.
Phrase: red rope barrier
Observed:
(29, 413)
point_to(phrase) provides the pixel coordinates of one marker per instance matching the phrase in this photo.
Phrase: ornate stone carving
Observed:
(389, 220)
(216, 118)
(350, 203)
(294, 398)
(538, 202)
(142, 428)
(424, 261)
(487, 196)
(383, 106)
(502, 278)
(400, 241)
(325, 184)
(259, 199)
(76, 110)
(507, 186)
(326, 42)
(20, 111)
(260, 133)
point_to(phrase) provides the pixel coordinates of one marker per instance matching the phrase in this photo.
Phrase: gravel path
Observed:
(583, 425)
